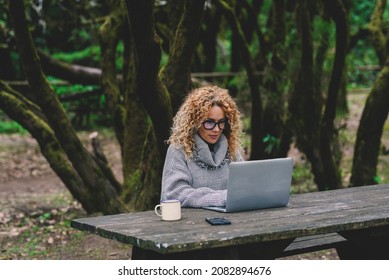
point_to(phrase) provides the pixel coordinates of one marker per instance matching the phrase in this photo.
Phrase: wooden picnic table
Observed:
(360, 215)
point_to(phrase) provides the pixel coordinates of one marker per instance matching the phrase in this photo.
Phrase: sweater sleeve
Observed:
(177, 184)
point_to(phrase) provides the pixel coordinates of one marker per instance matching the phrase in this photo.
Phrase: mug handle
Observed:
(156, 210)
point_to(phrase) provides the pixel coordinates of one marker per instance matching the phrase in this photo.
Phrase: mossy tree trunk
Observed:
(148, 108)
(206, 54)
(247, 14)
(367, 145)
(328, 134)
(375, 112)
(274, 84)
(378, 30)
(31, 117)
(141, 157)
(134, 130)
(147, 47)
(249, 65)
(98, 189)
(304, 100)
(268, 114)
(176, 74)
(110, 33)
(148, 96)
(315, 132)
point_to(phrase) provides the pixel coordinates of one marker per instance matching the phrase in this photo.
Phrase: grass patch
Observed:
(302, 179)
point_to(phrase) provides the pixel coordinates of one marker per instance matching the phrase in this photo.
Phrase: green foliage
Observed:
(89, 112)
(9, 127)
(164, 59)
(302, 178)
(223, 55)
(360, 15)
(263, 16)
(119, 55)
(271, 142)
(239, 84)
(377, 179)
(363, 53)
(90, 53)
(68, 89)
(44, 217)
(89, 56)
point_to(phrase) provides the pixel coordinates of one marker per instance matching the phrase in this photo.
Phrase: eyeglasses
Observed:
(209, 124)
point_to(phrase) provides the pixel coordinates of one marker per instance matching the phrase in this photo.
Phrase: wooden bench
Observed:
(309, 244)
(354, 221)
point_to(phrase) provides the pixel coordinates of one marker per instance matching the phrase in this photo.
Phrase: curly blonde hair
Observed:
(193, 112)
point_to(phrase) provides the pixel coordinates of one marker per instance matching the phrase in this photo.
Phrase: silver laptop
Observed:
(258, 184)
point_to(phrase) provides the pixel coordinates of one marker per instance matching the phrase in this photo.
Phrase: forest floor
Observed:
(36, 208)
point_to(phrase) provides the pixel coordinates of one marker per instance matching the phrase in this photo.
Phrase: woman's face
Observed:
(215, 116)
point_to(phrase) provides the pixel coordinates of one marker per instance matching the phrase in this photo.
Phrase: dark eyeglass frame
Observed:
(222, 121)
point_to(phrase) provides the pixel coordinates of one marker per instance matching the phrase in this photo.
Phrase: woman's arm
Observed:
(177, 184)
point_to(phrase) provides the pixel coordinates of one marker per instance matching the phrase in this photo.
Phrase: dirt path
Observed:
(36, 209)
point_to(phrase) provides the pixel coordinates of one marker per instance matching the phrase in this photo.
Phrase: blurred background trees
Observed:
(127, 65)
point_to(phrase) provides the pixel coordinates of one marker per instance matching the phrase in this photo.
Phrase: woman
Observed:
(205, 138)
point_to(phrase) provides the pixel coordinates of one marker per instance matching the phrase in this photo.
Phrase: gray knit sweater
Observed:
(201, 181)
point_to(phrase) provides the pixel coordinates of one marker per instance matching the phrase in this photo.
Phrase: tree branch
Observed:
(109, 36)
(22, 111)
(70, 72)
(376, 31)
(104, 195)
(102, 161)
(151, 91)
